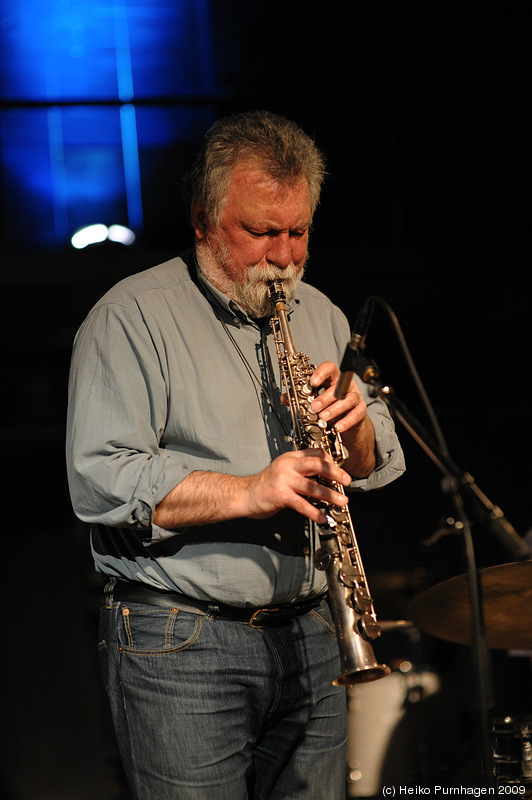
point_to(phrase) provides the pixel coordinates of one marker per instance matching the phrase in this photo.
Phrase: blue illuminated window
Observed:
(93, 97)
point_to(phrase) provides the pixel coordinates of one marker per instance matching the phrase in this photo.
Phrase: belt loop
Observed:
(108, 592)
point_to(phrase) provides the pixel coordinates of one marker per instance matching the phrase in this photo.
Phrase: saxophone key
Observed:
(323, 559)
(341, 453)
(369, 627)
(349, 577)
(315, 430)
(362, 604)
(339, 515)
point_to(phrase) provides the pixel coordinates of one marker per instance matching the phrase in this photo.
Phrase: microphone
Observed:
(355, 348)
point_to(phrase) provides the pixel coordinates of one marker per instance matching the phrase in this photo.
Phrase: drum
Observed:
(384, 736)
(511, 743)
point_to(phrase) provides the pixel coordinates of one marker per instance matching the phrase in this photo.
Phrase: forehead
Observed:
(253, 193)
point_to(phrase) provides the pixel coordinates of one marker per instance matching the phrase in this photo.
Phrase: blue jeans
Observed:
(209, 709)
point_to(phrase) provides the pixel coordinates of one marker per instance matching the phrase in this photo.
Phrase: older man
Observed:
(201, 513)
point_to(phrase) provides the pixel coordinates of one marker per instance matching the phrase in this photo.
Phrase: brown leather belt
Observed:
(265, 617)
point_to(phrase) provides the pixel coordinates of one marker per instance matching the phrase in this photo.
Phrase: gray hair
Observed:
(277, 145)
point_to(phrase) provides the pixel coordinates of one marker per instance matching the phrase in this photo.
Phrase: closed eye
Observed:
(257, 234)
(272, 233)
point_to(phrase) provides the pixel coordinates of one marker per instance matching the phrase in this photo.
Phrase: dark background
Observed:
(420, 111)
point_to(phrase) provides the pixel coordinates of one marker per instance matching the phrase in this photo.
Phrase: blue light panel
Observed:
(88, 90)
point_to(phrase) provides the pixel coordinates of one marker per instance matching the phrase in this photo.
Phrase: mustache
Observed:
(287, 274)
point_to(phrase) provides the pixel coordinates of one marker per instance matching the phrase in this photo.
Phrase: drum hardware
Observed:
(511, 740)
(444, 611)
(447, 527)
(396, 625)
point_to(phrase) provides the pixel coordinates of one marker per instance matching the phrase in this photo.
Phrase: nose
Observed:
(280, 250)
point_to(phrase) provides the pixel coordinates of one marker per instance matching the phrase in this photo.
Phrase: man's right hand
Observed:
(288, 482)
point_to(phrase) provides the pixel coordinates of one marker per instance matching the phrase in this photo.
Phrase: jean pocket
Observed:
(324, 617)
(150, 631)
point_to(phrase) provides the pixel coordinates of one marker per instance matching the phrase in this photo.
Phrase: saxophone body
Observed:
(338, 555)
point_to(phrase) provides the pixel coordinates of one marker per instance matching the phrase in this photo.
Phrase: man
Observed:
(202, 514)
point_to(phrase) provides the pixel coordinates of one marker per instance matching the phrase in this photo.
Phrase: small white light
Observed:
(121, 234)
(92, 234)
(406, 666)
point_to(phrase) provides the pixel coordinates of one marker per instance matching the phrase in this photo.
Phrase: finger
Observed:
(343, 417)
(328, 396)
(317, 462)
(322, 496)
(318, 491)
(351, 410)
(325, 375)
(329, 408)
(306, 509)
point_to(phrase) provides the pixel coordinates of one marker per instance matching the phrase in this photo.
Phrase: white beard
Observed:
(251, 293)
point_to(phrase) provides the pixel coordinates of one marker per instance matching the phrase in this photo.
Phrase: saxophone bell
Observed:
(355, 629)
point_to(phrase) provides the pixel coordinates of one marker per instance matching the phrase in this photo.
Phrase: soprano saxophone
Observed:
(351, 604)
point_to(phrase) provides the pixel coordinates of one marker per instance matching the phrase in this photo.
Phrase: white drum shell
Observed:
(375, 712)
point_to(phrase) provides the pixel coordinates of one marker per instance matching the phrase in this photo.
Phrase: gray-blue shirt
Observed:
(166, 379)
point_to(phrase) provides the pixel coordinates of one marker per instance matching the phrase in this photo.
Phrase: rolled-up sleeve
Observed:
(117, 408)
(390, 463)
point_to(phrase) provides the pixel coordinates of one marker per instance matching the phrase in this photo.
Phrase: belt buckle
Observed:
(253, 623)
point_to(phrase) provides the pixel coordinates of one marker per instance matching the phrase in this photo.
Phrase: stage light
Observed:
(96, 234)
(91, 234)
(120, 234)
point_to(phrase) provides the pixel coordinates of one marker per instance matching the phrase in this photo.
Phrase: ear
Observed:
(198, 219)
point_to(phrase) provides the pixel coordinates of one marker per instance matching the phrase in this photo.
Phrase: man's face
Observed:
(263, 233)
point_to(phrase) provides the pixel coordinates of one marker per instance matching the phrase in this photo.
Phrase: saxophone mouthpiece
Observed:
(276, 291)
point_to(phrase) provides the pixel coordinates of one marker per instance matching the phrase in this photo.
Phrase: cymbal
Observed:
(444, 610)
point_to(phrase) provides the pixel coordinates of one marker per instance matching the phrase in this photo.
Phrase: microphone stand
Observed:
(456, 483)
